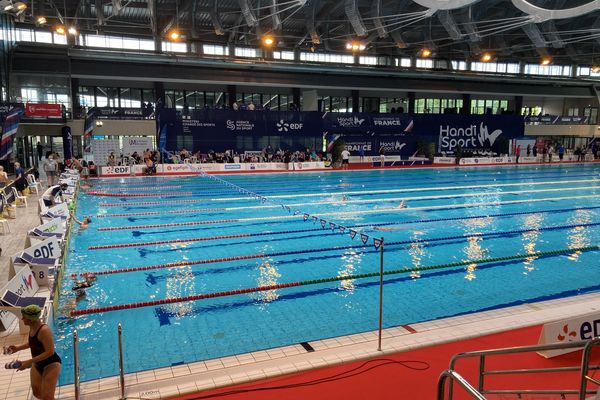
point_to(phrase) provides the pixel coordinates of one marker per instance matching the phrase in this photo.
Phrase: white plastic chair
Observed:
(4, 221)
(18, 197)
(33, 184)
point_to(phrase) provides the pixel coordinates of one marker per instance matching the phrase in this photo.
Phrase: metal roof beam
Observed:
(351, 7)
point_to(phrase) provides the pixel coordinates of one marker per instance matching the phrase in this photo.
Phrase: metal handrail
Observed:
(456, 377)
(121, 370)
(587, 345)
(76, 364)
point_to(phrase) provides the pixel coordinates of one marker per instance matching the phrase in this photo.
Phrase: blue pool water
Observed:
(452, 215)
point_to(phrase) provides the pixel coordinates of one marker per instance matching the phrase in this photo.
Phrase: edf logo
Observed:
(286, 126)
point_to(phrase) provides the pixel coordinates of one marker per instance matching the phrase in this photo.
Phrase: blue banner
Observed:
(398, 133)
(9, 131)
(67, 143)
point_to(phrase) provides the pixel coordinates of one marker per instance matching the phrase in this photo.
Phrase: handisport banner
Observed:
(219, 130)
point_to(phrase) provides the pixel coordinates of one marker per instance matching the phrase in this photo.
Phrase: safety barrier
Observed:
(169, 194)
(172, 300)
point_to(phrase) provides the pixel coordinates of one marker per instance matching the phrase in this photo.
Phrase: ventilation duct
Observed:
(117, 6)
(445, 4)
(542, 14)
(377, 20)
(275, 14)
(214, 17)
(472, 33)
(449, 25)
(351, 7)
(534, 35)
(248, 14)
(310, 23)
(400, 43)
(553, 35)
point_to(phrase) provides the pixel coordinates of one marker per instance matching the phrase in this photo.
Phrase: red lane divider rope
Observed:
(180, 264)
(144, 188)
(95, 310)
(121, 245)
(125, 228)
(144, 203)
(197, 210)
(170, 194)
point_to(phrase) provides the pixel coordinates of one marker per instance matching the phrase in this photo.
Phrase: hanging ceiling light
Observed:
(41, 20)
(355, 46)
(268, 40)
(174, 35)
(486, 57)
(60, 29)
(546, 60)
(72, 30)
(19, 5)
(595, 69)
(425, 52)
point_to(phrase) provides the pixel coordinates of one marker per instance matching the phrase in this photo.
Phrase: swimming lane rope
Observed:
(203, 296)
(169, 194)
(242, 235)
(178, 264)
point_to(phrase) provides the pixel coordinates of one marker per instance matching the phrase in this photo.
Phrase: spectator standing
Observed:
(361, 154)
(561, 152)
(345, 158)
(528, 150)
(518, 153)
(40, 150)
(382, 156)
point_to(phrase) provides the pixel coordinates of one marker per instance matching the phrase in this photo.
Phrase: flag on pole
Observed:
(88, 128)
(323, 223)
(377, 243)
(352, 233)
(9, 131)
(306, 216)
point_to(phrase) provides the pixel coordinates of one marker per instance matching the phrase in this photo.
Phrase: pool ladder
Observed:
(452, 377)
(76, 376)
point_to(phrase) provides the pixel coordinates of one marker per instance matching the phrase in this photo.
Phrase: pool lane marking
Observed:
(234, 292)
(367, 191)
(178, 264)
(268, 233)
(167, 194)
(344, 213)
(321, 194)
(381, 200)
(143, 188)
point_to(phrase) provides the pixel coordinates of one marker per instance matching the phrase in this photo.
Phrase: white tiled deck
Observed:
(209, 374)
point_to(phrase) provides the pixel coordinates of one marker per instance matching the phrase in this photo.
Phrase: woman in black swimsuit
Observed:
(44, 363)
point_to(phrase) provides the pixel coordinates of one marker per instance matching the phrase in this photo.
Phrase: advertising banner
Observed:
(119, 170)
(139, 144)
(23, 284)
(583, 327)
(67, 142)
(43, 110)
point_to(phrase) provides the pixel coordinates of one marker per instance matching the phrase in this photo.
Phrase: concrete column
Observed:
(310, 100)
(355, 101)
(466, 108)
(411, 102)
(231, 95)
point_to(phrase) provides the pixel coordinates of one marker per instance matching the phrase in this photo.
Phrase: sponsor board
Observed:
(304, 166)
(43, 110)
(286, 126)
(59, 210)
(117, 170)
(584, 327)
(176, 168)
(49, 248)
(356, 146)
(392, 146)
(444, 160)
(24, 284)
(232, 166)
(139, 144)
(54, 226)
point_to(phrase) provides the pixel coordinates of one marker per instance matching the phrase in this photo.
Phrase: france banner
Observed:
(88, 129)
(9, 131)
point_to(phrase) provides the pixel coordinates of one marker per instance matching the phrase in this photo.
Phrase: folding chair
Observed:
(33, 184)
(19, 197)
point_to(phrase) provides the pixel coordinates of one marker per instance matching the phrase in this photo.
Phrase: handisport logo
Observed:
(349, 122)
(470, 137)
(392, 146)
(283, 126)
(28, 282)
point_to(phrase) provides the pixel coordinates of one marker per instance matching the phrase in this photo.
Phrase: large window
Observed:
(488, 106)
(214, 50)
(493, 67)
(404, 62)
(283, 55)
(424, 63)
(171, 47)
(118, 42)
(548, 70)
(438, 106)
(326, 58)
(245, 52)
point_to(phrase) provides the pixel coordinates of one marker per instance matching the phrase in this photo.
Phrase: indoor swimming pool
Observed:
(457, 241)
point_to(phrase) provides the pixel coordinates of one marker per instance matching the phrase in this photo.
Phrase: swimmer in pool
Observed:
(402, 204)
(82, 224)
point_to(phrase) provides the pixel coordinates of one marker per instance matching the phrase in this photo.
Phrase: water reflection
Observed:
(473, 249)
(179, 282)
(578, 236)
(417, 252)
(530, 239)
(350, 261)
